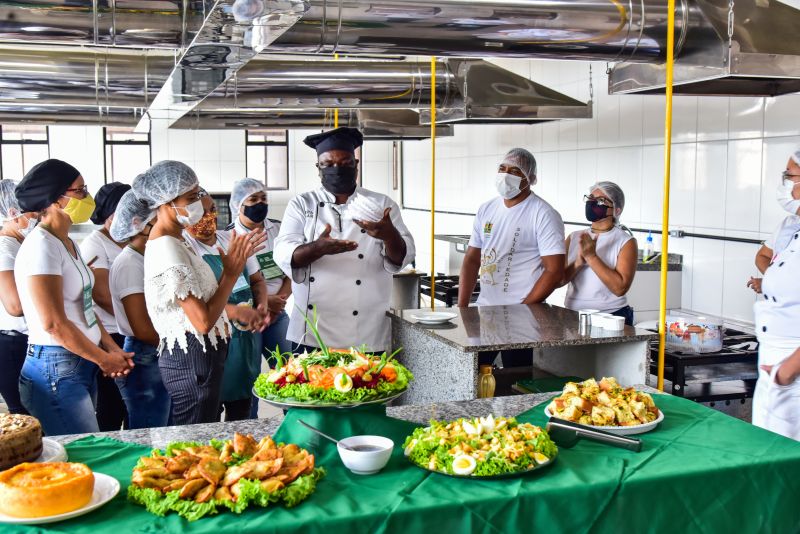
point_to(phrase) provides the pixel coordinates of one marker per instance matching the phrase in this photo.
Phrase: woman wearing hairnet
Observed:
(249, 209)
(67, 344)
(13, 330)
(100, 250)
(246, 309)
(601, 261)
(142, 390)
(184, 299)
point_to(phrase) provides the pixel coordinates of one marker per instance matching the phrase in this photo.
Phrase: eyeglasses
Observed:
(786, 175)
(601, 201)
(82, 191)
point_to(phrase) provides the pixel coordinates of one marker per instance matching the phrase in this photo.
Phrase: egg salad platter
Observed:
(481, 448)
(331, 378)
(606, 405)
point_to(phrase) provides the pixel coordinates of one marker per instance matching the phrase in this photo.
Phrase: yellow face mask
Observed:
(80, 209)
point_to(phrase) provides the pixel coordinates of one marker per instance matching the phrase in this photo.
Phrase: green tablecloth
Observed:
(700, 471)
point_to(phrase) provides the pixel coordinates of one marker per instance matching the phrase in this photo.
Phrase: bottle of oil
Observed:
(486, 382)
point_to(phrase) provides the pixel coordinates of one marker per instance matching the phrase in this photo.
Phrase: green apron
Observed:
(243, 364)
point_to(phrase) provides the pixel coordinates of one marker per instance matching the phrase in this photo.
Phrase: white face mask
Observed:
(195, 213)
(31, 224)
(508, 185)
(785, 198)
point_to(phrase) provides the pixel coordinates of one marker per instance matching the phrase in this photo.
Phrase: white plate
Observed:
(52, 451)
(433, 317)
(105, 489)
(621, 430)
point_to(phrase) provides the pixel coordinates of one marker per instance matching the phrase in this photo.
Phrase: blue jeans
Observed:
(274, 335)
(627, 313)
(59, 388)
(142, 390)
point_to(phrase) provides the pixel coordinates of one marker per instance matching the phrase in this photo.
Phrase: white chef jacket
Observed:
(777, 316)
(352, 291)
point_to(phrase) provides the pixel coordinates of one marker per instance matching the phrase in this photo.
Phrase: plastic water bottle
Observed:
(648, 248)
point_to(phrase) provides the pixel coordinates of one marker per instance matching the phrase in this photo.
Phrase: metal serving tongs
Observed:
(566, 434)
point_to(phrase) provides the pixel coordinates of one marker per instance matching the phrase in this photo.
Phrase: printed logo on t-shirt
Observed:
(488, 267)
(487, 228)
(509, 258)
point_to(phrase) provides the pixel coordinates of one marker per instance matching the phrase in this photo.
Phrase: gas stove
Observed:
(446, 289)
(727, 375)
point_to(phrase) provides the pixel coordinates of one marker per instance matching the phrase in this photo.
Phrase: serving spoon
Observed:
(324, 435)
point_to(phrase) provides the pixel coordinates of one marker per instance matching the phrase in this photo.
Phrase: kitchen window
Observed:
(21, 147)
(127, 154)
(267, 157)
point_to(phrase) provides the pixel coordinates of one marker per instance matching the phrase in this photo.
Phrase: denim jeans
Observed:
(59, 388)
(142, 390)
(627, 313)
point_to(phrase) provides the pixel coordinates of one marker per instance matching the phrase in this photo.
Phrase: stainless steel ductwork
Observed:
(73, 115)
(746, 48)
(608, 30)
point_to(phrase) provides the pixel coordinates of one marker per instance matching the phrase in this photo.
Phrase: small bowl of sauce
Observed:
(365, 455)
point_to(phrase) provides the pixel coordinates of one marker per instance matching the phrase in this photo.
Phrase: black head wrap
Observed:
(45, 183)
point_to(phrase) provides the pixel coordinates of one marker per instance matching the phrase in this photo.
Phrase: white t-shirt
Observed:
(126, 278)
(587, 290)
(173, 271)
(777, 312)
(42, 253)
(9, 247)
(512, 242)
(782, 235)
(272, 273)
(106, 250)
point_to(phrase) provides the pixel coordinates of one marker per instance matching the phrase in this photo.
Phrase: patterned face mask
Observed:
(205, 227)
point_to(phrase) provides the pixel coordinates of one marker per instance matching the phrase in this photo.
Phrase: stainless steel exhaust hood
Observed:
(758, 54)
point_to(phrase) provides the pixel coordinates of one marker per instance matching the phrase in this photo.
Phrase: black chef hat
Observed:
(44, 184)
(343, 138)
(107, 199)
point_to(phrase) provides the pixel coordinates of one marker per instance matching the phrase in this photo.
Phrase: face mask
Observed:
(195, 213)
(508, 185)
(79, 209)
(595, 212)
(257, 212)
(205, 227)
(785, 198)
(339, 180)
(31, 224)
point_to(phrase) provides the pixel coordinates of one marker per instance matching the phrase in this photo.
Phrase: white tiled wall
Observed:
(726, 160)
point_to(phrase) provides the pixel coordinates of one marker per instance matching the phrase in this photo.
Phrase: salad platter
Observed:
(481, 448)
(606, 405)
(332, 378)
(195, 480)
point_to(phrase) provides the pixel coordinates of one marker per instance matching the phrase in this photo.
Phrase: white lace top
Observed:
(172, 271)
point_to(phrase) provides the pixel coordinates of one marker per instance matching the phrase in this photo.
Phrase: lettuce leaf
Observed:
(251, 493)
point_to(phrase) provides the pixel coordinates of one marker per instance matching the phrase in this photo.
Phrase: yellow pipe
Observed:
(336, 110)
(662, 310)
(433, 177)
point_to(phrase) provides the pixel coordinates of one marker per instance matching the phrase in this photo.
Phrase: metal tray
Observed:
(493, 477)
(281, 403)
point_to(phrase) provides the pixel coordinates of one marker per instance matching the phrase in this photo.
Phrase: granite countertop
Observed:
(675, 261)
(422, 414)
(517, 326)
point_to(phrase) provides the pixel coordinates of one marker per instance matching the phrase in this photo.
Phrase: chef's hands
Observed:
(785, 375)
(241, 247)
(383, 229)
(326, 245)
(117, 363)
(755, 284)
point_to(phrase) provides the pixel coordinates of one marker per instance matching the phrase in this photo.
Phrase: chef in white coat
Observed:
(341, 245)
(776, 401)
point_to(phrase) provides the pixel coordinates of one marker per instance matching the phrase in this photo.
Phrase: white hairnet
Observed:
(614, 194)
(130, 218)
(164, 182)
(524, 161)
(243, 189)
(9, 206)
(796, 156)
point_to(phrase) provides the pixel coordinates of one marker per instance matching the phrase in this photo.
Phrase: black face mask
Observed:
(595, 212)
(339, 180)
(257, 212)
